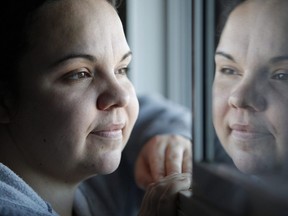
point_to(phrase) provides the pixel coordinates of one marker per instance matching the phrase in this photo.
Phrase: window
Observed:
(159, 34)
(166, 65)
(218, 188)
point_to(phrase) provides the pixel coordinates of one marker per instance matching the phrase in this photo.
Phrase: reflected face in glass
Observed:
(76, 106)
(250, 90)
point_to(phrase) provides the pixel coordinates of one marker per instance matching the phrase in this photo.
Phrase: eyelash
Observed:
(280, 76)
(228, 71)
(74, 76)
(122, 71)
(84, 74)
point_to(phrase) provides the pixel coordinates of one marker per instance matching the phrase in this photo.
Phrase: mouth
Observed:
(114, 131)
(247, 132)
(246, 135)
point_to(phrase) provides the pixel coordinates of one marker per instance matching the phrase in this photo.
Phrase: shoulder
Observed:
(18, 198)
(11, 209)
(155, 105)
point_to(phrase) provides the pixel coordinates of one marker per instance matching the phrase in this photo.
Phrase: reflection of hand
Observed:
(160, 197)
(161, 156)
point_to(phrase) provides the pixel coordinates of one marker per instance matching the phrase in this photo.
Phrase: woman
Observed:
(67, 106)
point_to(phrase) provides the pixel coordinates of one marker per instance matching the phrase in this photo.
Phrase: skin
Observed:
(76, 106)
(163, 155)
(250, 88)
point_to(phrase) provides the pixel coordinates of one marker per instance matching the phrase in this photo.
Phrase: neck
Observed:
(59, 194)
(60, 198)
(56, 191)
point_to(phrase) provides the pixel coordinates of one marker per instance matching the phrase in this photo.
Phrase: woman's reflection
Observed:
(250, 90)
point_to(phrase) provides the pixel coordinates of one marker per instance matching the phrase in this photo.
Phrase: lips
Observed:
(113, 131)
(248, 132)
(244, 128)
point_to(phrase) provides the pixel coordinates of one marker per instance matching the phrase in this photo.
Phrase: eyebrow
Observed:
(90, 58)
(225, 55)
(278, 59)
(73, 56)
(272, 60)
(129, 53)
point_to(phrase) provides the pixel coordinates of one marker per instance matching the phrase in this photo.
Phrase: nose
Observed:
(248, 95)
(113, 96)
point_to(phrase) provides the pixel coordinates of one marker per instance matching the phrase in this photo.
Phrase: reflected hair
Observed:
(226, 9)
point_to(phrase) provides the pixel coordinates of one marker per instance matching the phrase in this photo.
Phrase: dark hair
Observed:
(15, 19)
(225, 7)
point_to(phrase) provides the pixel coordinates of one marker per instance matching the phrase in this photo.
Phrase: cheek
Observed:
(132, 111)
(54, 123)
(220, 110)
(278, 125)
(219, 105)
(41, 130)
(53, 116)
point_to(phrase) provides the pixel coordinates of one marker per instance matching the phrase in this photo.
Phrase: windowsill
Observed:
(222, 190)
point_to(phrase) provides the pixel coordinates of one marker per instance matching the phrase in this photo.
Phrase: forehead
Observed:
(257, 27)
(77, 26)
(69, 17)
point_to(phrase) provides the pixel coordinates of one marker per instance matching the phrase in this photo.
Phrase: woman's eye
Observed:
(78, 75)
(280, 76)
(122, 71)
(228, 71)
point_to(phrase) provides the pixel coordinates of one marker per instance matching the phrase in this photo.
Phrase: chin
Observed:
(253, 166)
(108, 163)
(247, 169)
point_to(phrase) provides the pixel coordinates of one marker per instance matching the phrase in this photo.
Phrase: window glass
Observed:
(251, 168)
(161, 45)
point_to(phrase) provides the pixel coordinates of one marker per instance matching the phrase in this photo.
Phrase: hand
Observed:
(161, 156)
(161, 197)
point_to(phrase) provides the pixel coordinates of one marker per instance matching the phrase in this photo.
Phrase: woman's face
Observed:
(76, 107)
(250, 89)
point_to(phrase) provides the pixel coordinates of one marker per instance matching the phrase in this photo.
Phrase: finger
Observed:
(157, 159)
(173, 159)
(187, 161)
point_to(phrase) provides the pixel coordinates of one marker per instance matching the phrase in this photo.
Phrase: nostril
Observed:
(124, 100)
(250, 101)
(236, 102)
(113, 99)
(260, 103)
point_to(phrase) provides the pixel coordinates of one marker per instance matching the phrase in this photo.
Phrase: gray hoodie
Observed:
(18, 199)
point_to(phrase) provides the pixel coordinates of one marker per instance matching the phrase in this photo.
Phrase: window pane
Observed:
(243, 129)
